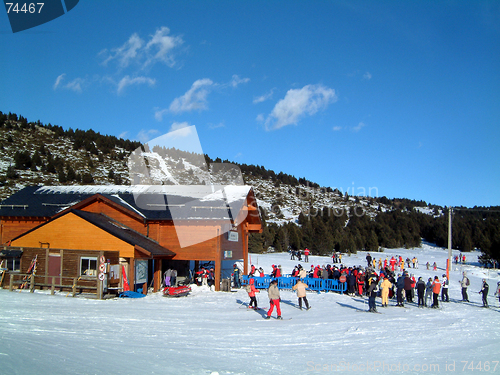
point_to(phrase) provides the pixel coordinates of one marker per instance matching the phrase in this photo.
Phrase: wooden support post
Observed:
(218, 262)
(157, 274)
(131, 274)
(11, 282)
(32, 283)
(74, 286)
(52, 286)
(244, 243)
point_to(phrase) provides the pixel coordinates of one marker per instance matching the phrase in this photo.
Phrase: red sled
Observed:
(176, 291)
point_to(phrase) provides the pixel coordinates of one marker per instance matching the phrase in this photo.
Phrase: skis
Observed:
(32, 270)
(368, 311)
(264, 319)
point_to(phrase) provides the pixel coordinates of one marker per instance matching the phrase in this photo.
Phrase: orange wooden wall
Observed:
(10, 229)
(72, 232)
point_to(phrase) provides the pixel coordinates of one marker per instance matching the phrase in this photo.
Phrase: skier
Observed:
(428, 291)
(302, 273)
(274, 299)
(236, 276)
(497, 293)
(420, 292)
(261, 272)
(444, 290)
(434, 267)
(436, 287)
(400, 284)
(386, 285)
(407, 288)
(392, 262)
(167, 276)
(361, 282)
(173, 277)
(369, 259)
(372, 293)
(464, 283)
(484, 290)
(300, 287)
(251, 290)
(306, 255)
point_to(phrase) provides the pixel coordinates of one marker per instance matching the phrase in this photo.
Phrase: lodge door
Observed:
(55, 268)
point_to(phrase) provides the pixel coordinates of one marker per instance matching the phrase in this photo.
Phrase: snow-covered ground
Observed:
(209, 332)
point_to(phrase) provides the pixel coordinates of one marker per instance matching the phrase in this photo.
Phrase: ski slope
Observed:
(212, 333)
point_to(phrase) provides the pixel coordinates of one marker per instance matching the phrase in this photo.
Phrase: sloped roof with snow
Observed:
(155, 202)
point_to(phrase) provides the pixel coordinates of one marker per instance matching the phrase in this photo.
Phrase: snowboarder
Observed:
(274, 299)
(484, 291)
(436, 288)
(464, 283)
(251, 290)
(300, 287)
(444, 289)
(420, 291)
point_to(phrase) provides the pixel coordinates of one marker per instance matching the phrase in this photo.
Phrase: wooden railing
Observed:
(30, 281)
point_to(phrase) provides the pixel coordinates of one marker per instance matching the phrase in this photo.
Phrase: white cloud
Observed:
(159, 48)
(260, 117)
(194, 99)
(236, 80)
(159, 113)
(178, 125)
(74, 85)
(337, 128)
(145, 135)
(127, 81)
(216, 126)
(263, 98)
(128, 52)
(298, 103)
(358, 127)
(367, 75)
(59, 79)
(163, 44)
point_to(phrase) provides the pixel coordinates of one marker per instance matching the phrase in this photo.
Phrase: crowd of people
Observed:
(388, 278)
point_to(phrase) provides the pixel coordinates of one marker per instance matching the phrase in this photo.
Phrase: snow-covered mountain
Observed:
(281, 202)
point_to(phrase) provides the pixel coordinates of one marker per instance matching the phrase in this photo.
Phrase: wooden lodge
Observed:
(78, 233)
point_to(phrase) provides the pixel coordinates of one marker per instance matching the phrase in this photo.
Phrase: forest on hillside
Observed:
(323, 231)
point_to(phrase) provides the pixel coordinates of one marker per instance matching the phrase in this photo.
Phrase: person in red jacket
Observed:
(436, 288)
(251, 289)
(393, 263)
(278, 271)
(306, 255)
(361, 282)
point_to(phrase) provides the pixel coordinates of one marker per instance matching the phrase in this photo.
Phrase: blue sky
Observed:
(399, 97)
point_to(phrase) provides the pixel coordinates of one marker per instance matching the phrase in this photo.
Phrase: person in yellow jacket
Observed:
(301, 287)
(385, 286)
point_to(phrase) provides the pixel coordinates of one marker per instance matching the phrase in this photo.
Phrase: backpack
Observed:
(248, 288)
(467, 282)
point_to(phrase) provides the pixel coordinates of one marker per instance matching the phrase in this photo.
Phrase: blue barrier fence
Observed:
(287, 282)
